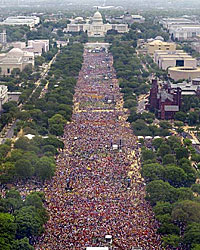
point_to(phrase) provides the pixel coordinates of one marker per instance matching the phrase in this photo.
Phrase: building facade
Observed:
(15, 59)
(177, 58)
(3, 95)
(36, 46)
(186, 73)
(181, 28)
(159, 45)
(128, 18)
(164, 100)
(96, 28)
(3, 37)
(30, 21)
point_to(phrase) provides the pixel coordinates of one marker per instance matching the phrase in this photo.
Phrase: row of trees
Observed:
(190, 110)
(21, 220)
(172, 191)
(49, 114)
(29, 159)
(131, 75)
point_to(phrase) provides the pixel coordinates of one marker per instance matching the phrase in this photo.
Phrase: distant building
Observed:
(61, 44)
(36, 46)
(164, 100)
(185, 32)
(178, 58)
(186, 73)
(188, 88)
(169, 22)
(3, 95)
(159, 45)
(15, 59)
(3, 37)
(30, 21)
(19, 45)
(128, 18)
(181, 28)
(96, 28)
(6, 96)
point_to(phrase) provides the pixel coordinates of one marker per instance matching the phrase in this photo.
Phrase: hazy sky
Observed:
(130, 3)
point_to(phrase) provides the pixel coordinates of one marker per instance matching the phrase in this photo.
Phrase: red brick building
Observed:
(164, 100)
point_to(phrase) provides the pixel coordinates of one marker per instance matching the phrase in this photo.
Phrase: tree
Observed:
(162, 208)
(15, 71)
(24, 169)
(159, 190)
(187, 142)
(7, 230)
(171, 240)
(168, 228)
(153, 172)
(157, 142)
(192, 118)
(164, 149)
(165, 125)
(196, 247)
(56, 124)
(192, 234)
(147, 155)
(181, 152)
(184, 193)
(22, 244)
(35, 200)
(13, 201)
(175, 176)
(168, 159)
(22, 143)
(28, 222)
(180, 116)
(186, 212)
(174, 142)
(4, 149)
(45, 168)
(196, 188)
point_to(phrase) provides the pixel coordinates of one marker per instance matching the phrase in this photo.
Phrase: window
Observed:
(8, 71)
(179, 63)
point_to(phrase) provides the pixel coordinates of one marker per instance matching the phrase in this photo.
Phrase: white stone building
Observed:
(15, 58)
(128, 18)
(36, 46)
(185, 32)
(3, 37)
(96, 28)
(30, 21)
(3, 95)
(181, 28)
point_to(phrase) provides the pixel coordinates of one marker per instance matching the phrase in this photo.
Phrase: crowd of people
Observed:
(97, 189)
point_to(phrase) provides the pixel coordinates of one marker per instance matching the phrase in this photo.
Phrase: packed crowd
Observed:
(93, 193)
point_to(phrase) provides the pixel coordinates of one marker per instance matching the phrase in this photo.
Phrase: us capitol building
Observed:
(95, 27)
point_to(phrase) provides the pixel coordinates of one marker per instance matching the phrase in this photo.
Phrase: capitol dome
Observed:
(97, 18)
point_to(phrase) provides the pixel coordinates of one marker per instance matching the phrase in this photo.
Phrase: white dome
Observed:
(15, 52)
(97, 18)
(159, 38)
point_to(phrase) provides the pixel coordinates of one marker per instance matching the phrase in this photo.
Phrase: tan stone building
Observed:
(159, 45)
(15, 59)
(178, 58)
(179, 73)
